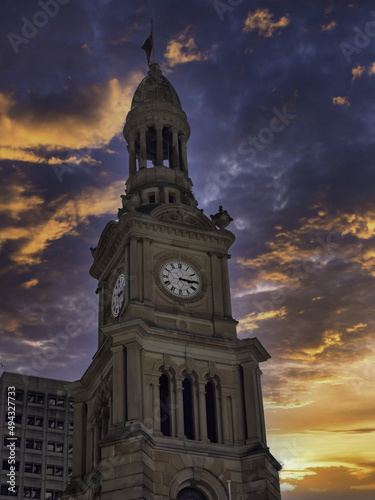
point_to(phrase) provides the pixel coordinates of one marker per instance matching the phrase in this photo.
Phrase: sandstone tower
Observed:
(171, 405)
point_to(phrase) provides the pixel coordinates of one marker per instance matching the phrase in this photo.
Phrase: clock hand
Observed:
(189, 281)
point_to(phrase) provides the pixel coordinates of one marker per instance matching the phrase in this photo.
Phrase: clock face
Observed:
(180, 279)
(118, 295)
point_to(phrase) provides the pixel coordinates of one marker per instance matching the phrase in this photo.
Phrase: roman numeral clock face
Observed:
(180, 279)
(118, 295)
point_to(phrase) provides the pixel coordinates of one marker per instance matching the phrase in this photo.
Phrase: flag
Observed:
(148, 46)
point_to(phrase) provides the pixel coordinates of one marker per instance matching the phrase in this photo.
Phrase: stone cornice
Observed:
(114, 237)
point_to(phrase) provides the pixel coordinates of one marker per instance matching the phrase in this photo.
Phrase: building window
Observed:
(35, 398)
(52, 495)
(211, 412)
(56, 424)
(187, 392)
(191, 494)
(19, 395)
(6, 465)
(71, 404)
(16, 441)
(151, 198)
(17, 419)
(36, 421)
(31, 493)
(57, 401)
(54, 470)
(5, 491)
(165, 405)
(171, 198)
(56, 447)
(34, 444)
(33, 468)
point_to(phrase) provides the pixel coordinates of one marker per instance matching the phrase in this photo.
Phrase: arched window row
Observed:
(199, 414)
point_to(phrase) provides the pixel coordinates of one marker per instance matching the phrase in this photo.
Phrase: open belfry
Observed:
(171, 405)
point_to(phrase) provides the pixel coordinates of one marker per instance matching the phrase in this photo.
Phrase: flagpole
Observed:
(153, 41)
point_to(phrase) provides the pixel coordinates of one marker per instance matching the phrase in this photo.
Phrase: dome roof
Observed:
(155, 87)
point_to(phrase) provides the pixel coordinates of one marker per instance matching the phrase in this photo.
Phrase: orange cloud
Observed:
(30, 283)
(371, 71)
(262, 20)
(64, 216)
(23, 132)
(358, 71)
(329, 27)
(341, 101)
(250, 322)
(183, 49)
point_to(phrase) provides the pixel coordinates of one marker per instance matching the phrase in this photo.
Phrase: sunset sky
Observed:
(280, 97)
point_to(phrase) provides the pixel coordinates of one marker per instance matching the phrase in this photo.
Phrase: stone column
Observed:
(253, 404)
(119, 386)
(217, 284)
(184, 165)
(79, 456)
(202, 412)
(175, 149)
(226, 286)
(134, 381)
(135, 277)
(224, 412)
(147, 269)
(132, 158)
(96, 442)
(159, 144)
(180, 409)
(143, 146)
(156, 406)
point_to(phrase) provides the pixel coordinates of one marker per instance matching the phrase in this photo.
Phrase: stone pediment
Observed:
(183, 215)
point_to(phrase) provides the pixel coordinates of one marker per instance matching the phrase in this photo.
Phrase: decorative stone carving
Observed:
(221, 219)
(212, 368)
(129, 203)
(189, 365)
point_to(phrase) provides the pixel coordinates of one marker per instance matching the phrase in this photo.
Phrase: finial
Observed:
(148, 44)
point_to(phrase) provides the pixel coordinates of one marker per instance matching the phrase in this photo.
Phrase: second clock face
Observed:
(118, 295)
(180, 279)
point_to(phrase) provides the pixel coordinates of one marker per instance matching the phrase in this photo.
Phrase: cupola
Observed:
(156, 131)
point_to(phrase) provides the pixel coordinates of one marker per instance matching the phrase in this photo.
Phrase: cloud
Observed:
(341, 101)
(30, 283)
(263, 21)
(329, 27)
(358, 71)
(26, 129)
(371, 71)
(59, 218)
(250, 322)
(183, 49)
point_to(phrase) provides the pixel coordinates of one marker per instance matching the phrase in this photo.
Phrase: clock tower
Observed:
(171, 405)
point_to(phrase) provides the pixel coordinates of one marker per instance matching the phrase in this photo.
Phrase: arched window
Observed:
(187, 391)
(191, 494)
(165, 405)
(211, 412)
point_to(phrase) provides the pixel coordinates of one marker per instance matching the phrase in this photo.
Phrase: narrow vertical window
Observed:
(187, 392)
(211, 412)
(165, 406)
